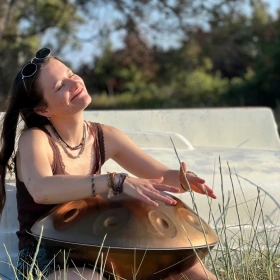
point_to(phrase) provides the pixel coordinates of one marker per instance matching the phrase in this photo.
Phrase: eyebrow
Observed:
(67, 71)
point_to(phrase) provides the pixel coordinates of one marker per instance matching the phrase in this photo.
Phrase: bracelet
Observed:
(191, 173)
(119, 188)
(93, 185)
(110, 183)
(182, 186)
(115, 187)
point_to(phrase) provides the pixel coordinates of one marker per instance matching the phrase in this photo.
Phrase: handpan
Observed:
(139, 241)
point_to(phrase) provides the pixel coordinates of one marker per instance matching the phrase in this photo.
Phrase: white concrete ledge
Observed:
(248, 128)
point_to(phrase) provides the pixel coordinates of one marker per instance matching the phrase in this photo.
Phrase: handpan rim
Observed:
(211, 245)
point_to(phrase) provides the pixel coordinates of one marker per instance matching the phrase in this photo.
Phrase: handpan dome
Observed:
(165, 234)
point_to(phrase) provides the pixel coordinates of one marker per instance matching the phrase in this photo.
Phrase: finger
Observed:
(161, 187)
(207, 191)
(210, 192)
(184, 167)
(157, 180)
(212, 195)
(147, 200)
(195, 180)
(161, 197)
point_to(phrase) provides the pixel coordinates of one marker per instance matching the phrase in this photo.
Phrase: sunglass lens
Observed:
(29, 69)
(43, 53)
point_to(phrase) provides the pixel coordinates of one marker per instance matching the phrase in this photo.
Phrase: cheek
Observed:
(62, 97)
(59, 100)
(62, 103)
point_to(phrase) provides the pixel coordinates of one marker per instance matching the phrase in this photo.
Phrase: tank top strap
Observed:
(97, 132)
(57, 164)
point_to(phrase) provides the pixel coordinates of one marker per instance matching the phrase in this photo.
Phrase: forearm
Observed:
(171, 177)
(63, 188)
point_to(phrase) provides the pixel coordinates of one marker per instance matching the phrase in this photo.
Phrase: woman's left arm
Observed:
(127, 154)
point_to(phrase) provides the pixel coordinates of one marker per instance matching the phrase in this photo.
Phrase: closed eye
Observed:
(60, 87)
(71, 74)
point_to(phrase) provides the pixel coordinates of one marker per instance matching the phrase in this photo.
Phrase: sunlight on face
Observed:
(64, 91)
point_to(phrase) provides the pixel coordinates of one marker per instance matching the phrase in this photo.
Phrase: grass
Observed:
(239, 254)
(246, 255)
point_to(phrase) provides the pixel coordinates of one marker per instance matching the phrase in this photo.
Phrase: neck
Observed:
(70, 130)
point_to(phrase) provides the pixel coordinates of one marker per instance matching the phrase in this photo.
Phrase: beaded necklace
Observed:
(64, 145)
(68, 146)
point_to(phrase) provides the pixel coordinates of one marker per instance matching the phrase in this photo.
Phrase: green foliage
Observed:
(176, 83)
(261, 86)
(21, 25)
(205, 89)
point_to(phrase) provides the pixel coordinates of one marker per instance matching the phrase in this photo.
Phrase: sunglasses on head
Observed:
(29, 69)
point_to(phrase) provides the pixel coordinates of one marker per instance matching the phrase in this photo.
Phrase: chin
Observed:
(88, 100)
(85, 101)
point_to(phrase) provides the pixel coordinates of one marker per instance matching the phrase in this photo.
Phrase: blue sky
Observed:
(89, 49)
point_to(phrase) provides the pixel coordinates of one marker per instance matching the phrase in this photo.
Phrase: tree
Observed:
(126, 69)
(261, 87)
(22, 23)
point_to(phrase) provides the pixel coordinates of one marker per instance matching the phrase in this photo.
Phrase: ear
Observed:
(43, 111)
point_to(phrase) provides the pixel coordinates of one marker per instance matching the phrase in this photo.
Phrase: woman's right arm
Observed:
(34, 160)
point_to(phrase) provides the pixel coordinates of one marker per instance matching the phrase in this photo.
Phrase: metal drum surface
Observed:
(152, 242)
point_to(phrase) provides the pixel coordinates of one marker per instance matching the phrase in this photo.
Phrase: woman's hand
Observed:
(197, 184)
(149, 190)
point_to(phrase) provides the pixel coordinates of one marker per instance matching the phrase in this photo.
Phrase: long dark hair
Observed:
(20, 108)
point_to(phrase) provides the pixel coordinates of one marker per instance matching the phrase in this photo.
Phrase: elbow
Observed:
(39, 198)
(38, 195)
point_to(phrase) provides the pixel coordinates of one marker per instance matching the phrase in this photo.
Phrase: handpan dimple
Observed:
(69, 214)
(111, 221)
(162, 223)
(192, 220)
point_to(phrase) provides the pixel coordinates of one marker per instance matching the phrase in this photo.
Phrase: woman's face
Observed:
(64, 92)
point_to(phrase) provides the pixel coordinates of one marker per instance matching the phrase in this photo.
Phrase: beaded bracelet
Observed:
(115, 187)
(110, 183)
(119, 188)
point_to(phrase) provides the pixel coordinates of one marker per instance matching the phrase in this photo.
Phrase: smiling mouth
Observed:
(79, 92)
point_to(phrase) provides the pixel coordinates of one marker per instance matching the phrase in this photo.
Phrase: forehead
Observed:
(51, 72)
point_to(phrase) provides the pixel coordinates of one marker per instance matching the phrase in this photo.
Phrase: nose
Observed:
(73, 85)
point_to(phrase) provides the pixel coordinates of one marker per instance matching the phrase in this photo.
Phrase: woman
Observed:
(58, 150)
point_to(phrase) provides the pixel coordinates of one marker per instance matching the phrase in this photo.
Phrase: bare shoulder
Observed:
(108, 128)
(31, 136)
(112, 133)
(34, 155)
(115, 141)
